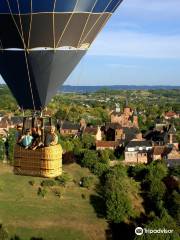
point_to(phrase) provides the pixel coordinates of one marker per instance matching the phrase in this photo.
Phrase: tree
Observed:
(155, 195)
(90, 159)
(88, 141)
(105, 156)
(118, 191)
(2, 149)
(154, 187)
(100, 168)
(165, 222)
(173, 206)
(157, 169)
(138, 172)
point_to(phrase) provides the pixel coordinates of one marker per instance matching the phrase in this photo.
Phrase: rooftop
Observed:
(135, 143)
(106, 144)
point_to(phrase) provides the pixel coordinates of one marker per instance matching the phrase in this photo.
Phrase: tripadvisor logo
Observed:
(139, 231)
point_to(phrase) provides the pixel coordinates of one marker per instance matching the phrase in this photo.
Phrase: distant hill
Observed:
(84, 89)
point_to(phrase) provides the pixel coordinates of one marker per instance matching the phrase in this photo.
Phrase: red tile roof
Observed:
(106, 144)
(170, 114)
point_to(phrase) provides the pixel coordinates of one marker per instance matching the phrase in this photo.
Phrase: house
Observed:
(102, 145)
(5, 123)
(170, 115)
(16, 120)
(94, 131)
(138, 151)
(172, 140)
(159, 153)
(161, 127)
(69, 129)
(127, 118)
(3, 133)
(166, 135)
(173, 158)
(115, 132)
(157, 137)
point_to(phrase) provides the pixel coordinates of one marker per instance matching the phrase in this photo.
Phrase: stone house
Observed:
(171, 114)
(173, 158)
(138, 151)
(94, 131)
(127, 118)
(159, 153)
(115, 132)
(69, 129)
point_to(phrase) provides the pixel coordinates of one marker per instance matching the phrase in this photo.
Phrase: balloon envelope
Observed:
(42, 41)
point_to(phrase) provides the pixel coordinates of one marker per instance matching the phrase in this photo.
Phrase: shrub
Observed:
(42, 192)
(83, 196)
(32, 182)
(3, 233)
(57, 192)
(63, 179)
(2, 149)
(87, 181)
(16, 238)
(48, 183)
(12, 141)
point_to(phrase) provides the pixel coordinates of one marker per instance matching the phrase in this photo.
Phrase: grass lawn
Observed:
(27, 215)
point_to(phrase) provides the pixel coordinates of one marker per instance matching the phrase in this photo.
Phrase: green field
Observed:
(27, 215)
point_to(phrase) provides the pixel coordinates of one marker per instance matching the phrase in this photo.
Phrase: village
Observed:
(121, 135)
(119, 167)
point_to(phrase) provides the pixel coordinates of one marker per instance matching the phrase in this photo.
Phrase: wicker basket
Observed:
(43, 162)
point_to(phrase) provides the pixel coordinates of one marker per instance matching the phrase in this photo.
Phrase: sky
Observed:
(140, 45)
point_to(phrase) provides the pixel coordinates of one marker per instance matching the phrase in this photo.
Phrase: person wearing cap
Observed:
(51, 138)
(26, 140)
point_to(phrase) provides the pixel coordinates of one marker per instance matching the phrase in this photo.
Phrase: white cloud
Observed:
(167, 8)
(137, 44)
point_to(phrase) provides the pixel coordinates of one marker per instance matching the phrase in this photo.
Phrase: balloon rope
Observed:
(15, 21)
(30, 26)
(104, 11)
(67, 24)
(87, 21)
(107, 19)
(24, 52)
(27, 65)
(21, 24)
(29, 78)
(54, 35)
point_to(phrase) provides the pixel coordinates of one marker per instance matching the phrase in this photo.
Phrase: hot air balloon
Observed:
(41, 42)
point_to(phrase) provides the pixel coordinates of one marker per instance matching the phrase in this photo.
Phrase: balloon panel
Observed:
(48, 70)
(38, 6)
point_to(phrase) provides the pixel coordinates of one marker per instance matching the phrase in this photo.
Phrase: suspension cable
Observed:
(104, 11)
(54, 35)
(67, 24)
(87, 21)
(30, 26)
